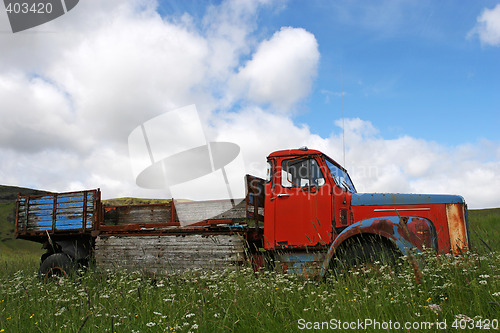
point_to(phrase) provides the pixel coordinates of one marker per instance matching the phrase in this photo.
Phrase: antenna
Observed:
(343, 122)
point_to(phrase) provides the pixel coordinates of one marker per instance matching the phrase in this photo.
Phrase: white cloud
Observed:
(488, 27)
(405, 164)
(36, 116)
(282, 69)
(70, 98)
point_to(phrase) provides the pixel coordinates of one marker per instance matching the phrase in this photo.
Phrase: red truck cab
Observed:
(312, 209)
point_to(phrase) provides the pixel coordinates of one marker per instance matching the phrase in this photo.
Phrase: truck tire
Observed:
(365, 252)
(57, 264)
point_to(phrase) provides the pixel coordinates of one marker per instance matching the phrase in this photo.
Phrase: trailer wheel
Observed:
(55, 265)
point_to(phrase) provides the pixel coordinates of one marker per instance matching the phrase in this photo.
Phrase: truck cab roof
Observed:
(303, 151)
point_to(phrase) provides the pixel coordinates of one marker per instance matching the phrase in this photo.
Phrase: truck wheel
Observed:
(365, 253)
(55, 265)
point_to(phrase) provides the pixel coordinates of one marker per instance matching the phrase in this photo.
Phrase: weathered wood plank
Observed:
(206, 210)
(57, 212)
(169, 253)
(119, 215)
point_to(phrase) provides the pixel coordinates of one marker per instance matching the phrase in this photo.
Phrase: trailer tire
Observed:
(56, 265)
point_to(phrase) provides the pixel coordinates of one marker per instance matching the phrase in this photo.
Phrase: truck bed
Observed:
(163, 218)
(209, 235)
(83, 214)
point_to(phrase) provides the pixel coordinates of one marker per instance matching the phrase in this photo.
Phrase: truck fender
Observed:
(393, 228)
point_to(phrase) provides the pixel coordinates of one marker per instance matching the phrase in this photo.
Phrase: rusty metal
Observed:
(400, 231)
(305, 264)
(457, 229)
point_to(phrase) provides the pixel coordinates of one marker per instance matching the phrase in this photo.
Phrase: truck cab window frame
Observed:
(301, 172)
(340, 176)
(269, 172)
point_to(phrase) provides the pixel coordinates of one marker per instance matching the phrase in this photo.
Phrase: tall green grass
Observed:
(484, 229)
(462, 290)
(451, 289)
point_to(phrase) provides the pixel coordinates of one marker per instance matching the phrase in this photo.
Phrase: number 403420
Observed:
(31, 8)
(481, 324)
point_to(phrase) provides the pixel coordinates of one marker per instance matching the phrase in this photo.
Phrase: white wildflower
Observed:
(462, 317)
(434, 307)
(60, 312)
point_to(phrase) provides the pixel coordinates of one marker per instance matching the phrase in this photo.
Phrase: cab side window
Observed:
(302, 172)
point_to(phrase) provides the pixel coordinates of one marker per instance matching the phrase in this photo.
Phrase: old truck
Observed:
(305, 217)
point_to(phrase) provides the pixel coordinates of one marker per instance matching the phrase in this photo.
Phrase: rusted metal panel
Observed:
(170, 253)
(57, 213)
(457, 227)
(405, 232)
(305, 264)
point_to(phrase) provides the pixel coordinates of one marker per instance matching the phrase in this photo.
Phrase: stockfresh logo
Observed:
(26, 14)
(171, 152)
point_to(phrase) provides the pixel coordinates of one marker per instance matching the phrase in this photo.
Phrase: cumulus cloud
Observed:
(405, 164)
(488, 27)
(415, 165)
(76, 87)
(39, 116)
(71, 93)
(282, 69)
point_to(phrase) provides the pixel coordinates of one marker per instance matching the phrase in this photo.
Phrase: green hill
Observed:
(8, 244)
(133, 201)
(8, 194)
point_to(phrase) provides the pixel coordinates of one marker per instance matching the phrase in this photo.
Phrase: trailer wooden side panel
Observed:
(58, 213)
(138, 214)
(169, 253)
(173, 214)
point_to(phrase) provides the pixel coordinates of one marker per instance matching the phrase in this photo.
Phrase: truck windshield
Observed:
(341, 177)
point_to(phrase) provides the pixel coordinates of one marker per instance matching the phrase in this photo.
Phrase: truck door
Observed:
(302, 215)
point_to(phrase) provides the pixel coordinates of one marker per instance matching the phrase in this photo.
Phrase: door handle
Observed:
(283, 195)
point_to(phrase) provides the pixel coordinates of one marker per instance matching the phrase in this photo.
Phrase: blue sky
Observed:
(410, 71)
(410, 67)
(420, 81)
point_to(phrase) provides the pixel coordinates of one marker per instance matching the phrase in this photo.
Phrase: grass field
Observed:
(456, 292)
